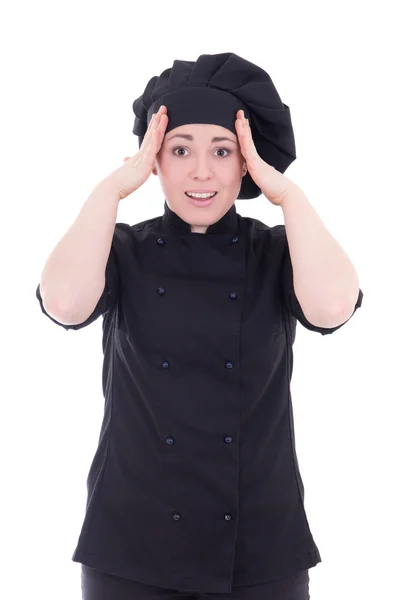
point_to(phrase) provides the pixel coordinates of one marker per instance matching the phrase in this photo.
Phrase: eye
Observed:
(183, 148)
(225, 150)
(179, 148)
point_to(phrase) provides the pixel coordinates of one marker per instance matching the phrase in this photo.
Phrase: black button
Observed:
(160, 241)
(177, 516)
(160, 291)
(228, 439)
(235, 240)
(232, 296)
(170, 440)
(228, 364)
(228, 517)
(165, 364)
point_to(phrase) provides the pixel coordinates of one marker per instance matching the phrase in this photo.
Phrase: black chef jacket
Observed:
(195, 484)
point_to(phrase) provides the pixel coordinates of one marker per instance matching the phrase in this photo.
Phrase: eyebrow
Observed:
(189, 137)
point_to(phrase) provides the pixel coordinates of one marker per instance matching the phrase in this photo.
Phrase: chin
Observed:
(206, 214)
(201, 215)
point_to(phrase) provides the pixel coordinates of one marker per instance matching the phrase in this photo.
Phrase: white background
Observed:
(69, 74)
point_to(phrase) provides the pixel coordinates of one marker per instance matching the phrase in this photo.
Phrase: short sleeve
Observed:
(290, 301)
(107, 300)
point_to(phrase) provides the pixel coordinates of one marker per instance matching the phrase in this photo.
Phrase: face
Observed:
(190, 160)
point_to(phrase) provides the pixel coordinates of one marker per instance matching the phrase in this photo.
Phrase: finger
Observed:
(242, 134)
(151, 144)
(158, 116)
(159, 132)
(147, 136)
(241, 130)
(155, 117)
(150, 149)
(152, 126)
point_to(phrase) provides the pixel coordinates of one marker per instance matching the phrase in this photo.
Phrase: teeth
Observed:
(193, 195)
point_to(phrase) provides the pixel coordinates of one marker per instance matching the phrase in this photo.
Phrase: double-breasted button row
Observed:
(170, 440)
(176, 516)
(228, 364)
(161, 241)
(227, 439)
(161, 292)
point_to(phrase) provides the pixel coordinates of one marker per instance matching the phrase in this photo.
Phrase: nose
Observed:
(202, 169)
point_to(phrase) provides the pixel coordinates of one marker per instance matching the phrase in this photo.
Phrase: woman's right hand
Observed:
(137, 169)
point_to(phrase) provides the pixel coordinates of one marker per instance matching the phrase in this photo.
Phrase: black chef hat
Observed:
(212, 90)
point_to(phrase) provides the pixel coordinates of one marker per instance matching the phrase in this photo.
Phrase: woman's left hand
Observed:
(273, 184)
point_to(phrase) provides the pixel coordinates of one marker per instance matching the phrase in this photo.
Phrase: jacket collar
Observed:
(227, 224)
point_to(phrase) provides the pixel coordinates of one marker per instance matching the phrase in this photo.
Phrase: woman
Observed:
(195, 489)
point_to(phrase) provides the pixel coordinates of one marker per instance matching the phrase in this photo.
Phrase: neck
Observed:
(198, 229)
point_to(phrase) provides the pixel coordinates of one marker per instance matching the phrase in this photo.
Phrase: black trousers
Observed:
(97, 585)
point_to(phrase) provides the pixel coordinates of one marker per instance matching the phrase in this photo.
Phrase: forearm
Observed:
(325, 280)
(73, 277)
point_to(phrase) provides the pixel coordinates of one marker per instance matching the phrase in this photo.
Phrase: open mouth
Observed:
(201, 202)
(199, 198)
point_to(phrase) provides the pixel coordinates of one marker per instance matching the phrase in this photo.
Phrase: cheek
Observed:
(170, 170)
(229, 173)
(174, 173)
